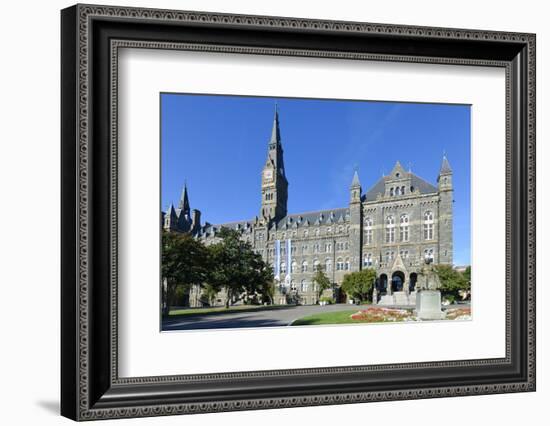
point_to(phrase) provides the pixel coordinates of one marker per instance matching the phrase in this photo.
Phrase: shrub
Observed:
(326, 299)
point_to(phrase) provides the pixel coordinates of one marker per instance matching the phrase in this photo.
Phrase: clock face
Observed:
(268, 174)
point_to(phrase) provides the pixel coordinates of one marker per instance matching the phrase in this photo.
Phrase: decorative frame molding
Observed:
(91, 37)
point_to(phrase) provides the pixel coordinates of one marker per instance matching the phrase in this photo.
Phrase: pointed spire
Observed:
(445, 166)
(171, 212)
(275, 132)
(355, 181)
(184, 201)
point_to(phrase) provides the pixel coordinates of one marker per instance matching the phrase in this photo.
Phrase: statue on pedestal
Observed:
(428, 298)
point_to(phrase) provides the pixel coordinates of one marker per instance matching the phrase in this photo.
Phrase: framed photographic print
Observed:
(263, 212)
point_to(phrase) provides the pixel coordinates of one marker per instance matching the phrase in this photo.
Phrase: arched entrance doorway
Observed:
(397, 281)
(412, 281)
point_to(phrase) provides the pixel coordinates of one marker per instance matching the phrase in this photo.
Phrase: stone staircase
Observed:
(398, 298)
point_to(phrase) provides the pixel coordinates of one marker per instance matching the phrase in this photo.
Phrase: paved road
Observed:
(262, 318)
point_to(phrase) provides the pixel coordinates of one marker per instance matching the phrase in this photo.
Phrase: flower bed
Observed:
(459, 313)
(378, 314)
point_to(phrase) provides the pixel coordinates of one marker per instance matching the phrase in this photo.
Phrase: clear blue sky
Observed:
(218, 144)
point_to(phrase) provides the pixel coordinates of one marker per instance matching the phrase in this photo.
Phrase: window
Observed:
(428, 225)
(347, 264)
(368, 230)
(367, 260)
(316, 232)
(329, 230)
(328, 265)
(315, 265)
(304, 249)
(397, 191)
(316, 248)
(404, 228)
(339, 264)
(293, 266)
(391, 192)
(389, 256)
(306, 233)
(340, 229)
(328, 248)
(303, 286)
(404, 254)
(304, 266)
(283, 268)
(390, 229)
(403, 190)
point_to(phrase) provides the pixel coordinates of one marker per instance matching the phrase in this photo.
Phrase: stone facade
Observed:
(391, 227)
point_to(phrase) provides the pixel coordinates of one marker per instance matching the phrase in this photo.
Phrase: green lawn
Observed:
(341, 317)
(372, 315)
(223, 310)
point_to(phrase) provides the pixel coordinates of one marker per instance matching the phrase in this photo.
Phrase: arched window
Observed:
(404, 228)
(328, 265)
(348, 264)
(346, 245)
(328, 247)
(397, 191)
(283, 268)
(329, 230)
(403, 190)
(390, 229)
(391, 192)
(339, 264)
(317, 232)
(316, 265)
(306, 233)
(304, 266)
(293, 267)
(368, 230)
(428, 225)
(303, 286)
(340, 229)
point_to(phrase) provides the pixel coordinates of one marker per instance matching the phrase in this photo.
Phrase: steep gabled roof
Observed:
(416, 182)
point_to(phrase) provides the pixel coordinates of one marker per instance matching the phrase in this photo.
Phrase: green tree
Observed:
(452, 281)
(184, 262)
(358, 285)
(239, 270)
(322, 281)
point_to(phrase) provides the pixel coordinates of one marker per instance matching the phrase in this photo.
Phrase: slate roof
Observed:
(316, 218)
(416, 181)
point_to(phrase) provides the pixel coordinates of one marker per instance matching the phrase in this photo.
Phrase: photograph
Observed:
(281, 212)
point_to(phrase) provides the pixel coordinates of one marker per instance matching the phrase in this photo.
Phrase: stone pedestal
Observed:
(428, 305)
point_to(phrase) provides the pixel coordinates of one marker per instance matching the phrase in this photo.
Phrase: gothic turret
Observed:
(356, 219)
(274, 182)
(355, 189)
(184, 202)
(445, 223)
(171, 219)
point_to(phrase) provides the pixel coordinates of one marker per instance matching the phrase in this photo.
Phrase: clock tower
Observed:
(274, 183)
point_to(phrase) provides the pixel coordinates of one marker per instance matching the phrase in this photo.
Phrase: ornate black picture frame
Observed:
(91, 387)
